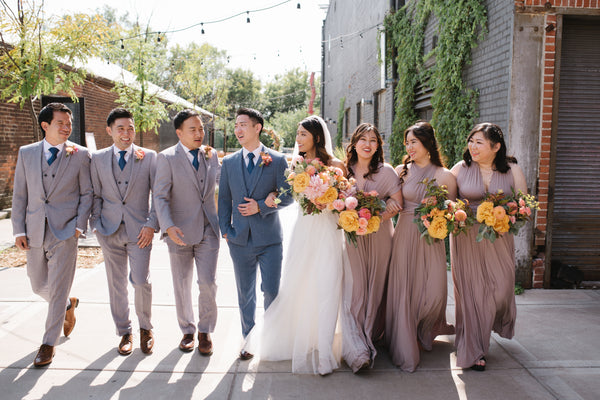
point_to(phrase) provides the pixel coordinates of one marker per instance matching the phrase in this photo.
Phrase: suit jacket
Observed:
(265, 225)
(68, 202)
(109, 208)
(182, 198)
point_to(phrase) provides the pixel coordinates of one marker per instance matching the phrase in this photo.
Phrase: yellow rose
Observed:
(485, 213)
(436, 212)
(438, 228)
(301, 181)
(373, 225)
(348, 220)
(501, 225)
(329, 196)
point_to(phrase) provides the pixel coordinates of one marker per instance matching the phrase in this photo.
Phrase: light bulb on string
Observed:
(158, 39)
(202, 25)
(298, 6)
(122, 45)
(341, 43)
(248, 17)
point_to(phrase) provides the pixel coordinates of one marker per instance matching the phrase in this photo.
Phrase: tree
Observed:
(39, 56)
(244, 90)
(286, 125)
(287, 93)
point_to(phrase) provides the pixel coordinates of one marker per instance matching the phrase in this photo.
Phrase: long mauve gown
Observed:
(417, 284)
(369, 262)
(483, 274)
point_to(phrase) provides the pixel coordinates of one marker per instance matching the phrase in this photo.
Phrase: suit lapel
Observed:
(107, 169)
(186, 166)
(135, 167)
(36, 162)
(242, 165)
(62, 166)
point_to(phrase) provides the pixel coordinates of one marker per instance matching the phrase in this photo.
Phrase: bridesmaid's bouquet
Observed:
(360, 213)
(437, 216)
(499, 213)
(314, 185)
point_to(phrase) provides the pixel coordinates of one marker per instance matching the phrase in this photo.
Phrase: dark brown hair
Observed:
(424, 132)
(313, 125)
(493, 134)
(47, 113)
(351, 156)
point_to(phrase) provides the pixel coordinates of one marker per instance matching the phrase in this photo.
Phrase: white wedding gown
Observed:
(302, 323)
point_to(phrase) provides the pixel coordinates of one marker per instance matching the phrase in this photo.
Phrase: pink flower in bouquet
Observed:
(525, 211)
(363, 222)
(364, 213)
(316, 188)
(512, 219)
(324, 177)
(499, 212)
(426, 223)
(521, 203)
(311, 170)
(291, 176)
(351, 203)
(297, 159)
(139, 154)
(70, 150)
(339, 204)
(460, 215)
(316, 162)
(338, 171)
(512, 207)
(361, 231)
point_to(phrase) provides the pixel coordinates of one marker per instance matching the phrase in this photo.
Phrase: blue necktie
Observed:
(54, 152)
(250, 162)
(195, 160)
(122, 161)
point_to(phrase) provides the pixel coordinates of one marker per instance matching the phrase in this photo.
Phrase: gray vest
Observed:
(122, 177)
(49, 171)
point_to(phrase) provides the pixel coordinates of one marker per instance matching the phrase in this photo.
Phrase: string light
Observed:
(248, 17)
(202, 25)
(298, 6)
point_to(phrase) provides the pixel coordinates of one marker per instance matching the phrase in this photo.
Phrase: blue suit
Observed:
(253, 240)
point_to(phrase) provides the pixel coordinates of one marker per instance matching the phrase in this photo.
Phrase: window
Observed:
(358, 113)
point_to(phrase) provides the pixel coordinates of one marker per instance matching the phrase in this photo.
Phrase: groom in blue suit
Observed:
(248, 217)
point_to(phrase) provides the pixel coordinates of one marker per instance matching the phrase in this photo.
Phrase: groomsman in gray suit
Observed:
(124, 222)
(248, 215)
(52, 198)
(184, 197)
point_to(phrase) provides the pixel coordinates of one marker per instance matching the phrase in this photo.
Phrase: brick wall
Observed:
(351, 67)
(551, 9)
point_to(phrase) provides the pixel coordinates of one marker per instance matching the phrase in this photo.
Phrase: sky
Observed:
(275, 41)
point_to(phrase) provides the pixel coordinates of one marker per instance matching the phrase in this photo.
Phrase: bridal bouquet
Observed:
(499, 213)
(437, 216)
(314, 185)
(359, 213)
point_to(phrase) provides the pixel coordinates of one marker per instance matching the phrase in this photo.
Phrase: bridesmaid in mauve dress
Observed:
(417, 284)
(369, 260)
(484, 272)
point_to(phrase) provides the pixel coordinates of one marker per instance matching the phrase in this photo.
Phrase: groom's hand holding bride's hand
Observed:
(270, 201)
(249, 208)
(176, 235)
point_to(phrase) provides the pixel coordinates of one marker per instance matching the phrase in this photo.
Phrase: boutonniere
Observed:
(208, 152)
(70, 150)
(139, 154)
(266, 159)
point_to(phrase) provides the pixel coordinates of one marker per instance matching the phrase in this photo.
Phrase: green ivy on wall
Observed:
(461, 25)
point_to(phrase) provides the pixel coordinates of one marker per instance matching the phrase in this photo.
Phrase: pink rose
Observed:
(426, 223)
(316, 162)
(339, 204)
(351, 203)
(521, 203)
(373, 193)
(297, 159)
(361, 231)
(512, 219)
(525, 211)
(291, 176)
(512, 207)
(311, 170)
(338, 172)
(364, 213)
(363, 223)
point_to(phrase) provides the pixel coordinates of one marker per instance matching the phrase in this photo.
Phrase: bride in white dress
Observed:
(302, 323)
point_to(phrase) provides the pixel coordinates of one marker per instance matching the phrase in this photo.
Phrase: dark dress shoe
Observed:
(126, 345)
(44, 355)
(70, 317)
(146, 341)
(187, 343)
(245, 356)
(204, 344)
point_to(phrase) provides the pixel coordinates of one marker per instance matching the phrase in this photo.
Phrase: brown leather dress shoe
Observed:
(146, 341)
(126, 345)
(204, 344)
(44, 355)
(70, 317)
(245, 356)
(187, 343)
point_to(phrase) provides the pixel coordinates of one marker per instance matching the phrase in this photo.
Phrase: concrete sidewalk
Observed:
(554, 355)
